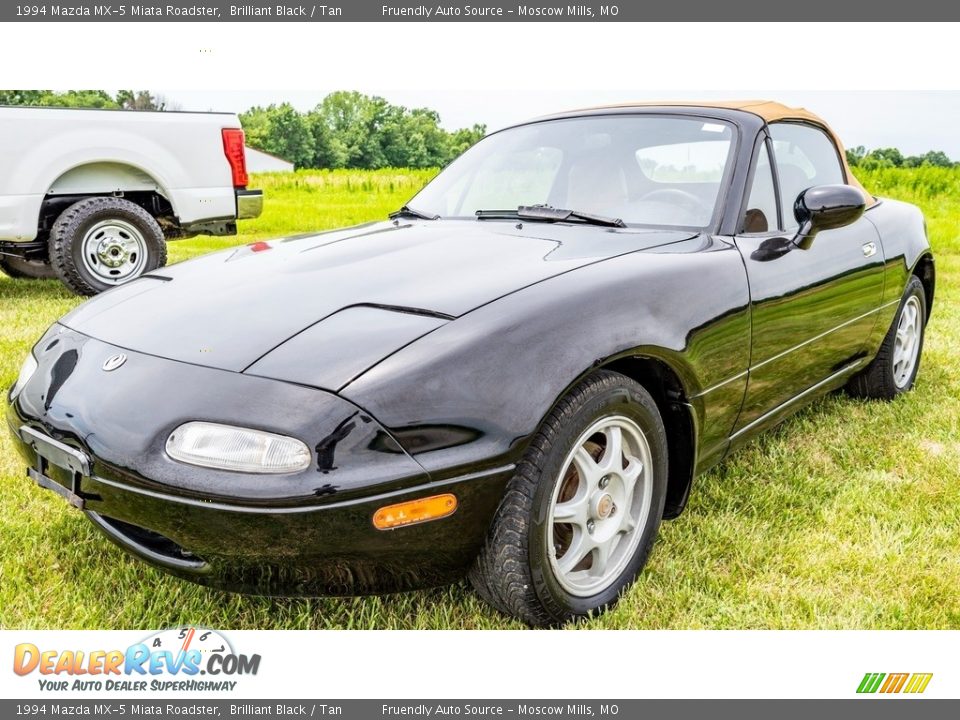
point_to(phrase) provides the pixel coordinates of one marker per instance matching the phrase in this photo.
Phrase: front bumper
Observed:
(308, 533)
(323, 550)
(249, 204)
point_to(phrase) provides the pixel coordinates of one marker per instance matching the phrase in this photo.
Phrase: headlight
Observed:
(27, 370)
(232, 448)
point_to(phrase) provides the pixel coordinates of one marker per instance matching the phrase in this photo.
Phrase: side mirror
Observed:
(825, 207)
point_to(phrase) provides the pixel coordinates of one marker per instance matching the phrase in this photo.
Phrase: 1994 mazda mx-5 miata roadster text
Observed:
(517, 376)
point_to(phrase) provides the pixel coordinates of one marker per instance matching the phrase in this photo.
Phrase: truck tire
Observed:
(101, 242)
(17, 267)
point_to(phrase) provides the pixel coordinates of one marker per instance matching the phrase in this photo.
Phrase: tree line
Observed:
(123, 100)
(353, 130)
(891, 157)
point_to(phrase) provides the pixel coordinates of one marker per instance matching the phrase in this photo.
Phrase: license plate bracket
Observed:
(52, 452)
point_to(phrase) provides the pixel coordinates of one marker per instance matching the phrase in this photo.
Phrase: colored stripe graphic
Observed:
(918, 682)
(894, 683)
(870, 682)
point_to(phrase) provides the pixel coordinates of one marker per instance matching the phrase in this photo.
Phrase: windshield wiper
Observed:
(550, 214)
(407, 211)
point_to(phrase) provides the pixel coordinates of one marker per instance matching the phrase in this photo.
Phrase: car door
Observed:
(812, 309)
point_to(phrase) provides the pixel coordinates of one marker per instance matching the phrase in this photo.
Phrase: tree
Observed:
(355, 122)
(415, 139)
(21, 97)
(78, 99)
(140, 100)
(280, 130)
(855, 155)
(882, 157)
(932, 158)
(464, 138)
(328, 150)
(892, 157)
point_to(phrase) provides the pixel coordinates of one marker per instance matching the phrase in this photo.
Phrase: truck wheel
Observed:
(100, 242)
(17, 267)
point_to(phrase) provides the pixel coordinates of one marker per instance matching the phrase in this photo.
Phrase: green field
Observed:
(847, 516)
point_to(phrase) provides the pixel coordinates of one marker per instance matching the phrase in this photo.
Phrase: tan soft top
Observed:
(771, 112)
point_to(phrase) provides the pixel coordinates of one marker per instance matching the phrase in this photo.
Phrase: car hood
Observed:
(342, 290)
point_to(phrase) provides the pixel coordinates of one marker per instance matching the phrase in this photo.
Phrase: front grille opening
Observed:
(153, 541)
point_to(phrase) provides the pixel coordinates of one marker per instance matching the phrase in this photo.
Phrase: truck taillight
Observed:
(233, 148)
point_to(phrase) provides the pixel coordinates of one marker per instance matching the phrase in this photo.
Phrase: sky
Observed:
(914, 122)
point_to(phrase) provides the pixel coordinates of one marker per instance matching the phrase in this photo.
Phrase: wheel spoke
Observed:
(601, 555)
(613, 453)
(572, 512)
(632, 472)
(587, 468)
(908, 348)
(574, 554)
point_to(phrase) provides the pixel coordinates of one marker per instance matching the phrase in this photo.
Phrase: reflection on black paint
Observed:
(326, 489)
(326, 447)
(384, 442)
(425, 438)
(772, 248)
(62, 369)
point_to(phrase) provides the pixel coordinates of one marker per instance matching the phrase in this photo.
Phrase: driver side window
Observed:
(805, 157)
(761, 214)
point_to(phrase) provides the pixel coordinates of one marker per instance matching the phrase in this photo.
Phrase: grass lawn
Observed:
(846, 516)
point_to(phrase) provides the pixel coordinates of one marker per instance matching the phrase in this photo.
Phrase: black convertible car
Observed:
(517, 376)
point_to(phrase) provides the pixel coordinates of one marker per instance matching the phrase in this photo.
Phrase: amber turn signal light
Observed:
(414, 511)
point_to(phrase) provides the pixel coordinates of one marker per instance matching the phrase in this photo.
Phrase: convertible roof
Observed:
(770, 112)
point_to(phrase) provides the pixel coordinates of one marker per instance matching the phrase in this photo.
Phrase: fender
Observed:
(527, 349)
(906, 252)
(57, 164)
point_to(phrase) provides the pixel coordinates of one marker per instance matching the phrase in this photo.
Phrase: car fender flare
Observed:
(661, 372)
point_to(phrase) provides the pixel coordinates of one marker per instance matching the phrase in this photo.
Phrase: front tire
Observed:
(583, 508)
(894, 369)
(101, 242)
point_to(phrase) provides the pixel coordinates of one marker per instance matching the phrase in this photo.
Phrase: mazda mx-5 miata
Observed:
(515, 377)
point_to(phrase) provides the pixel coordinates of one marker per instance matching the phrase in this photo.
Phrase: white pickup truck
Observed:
(91, 196)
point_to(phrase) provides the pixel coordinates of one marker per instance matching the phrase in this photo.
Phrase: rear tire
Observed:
(574, 530)
(21, 268)
(894, 369)
(101, 242)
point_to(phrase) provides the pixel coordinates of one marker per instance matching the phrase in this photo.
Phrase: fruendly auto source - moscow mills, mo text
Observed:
(426, 12)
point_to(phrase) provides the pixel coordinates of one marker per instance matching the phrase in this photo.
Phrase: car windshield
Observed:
(645, 170)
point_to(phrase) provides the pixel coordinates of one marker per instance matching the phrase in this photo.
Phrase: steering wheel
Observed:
(675, 196)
